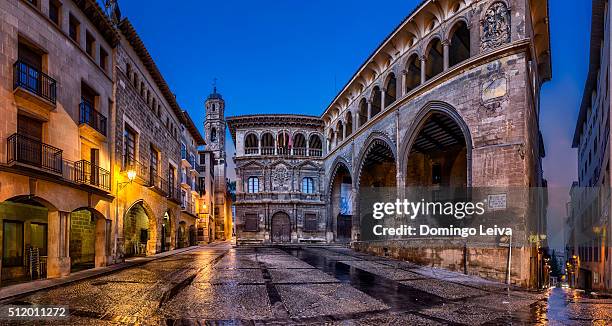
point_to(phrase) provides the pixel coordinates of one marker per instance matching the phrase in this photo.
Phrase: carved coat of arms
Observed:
(280, 178)
(495, 27)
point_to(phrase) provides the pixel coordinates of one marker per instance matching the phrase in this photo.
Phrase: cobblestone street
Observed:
(310, 285)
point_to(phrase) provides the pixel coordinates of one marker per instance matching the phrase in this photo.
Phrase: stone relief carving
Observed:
(280, 178)
(495, 27)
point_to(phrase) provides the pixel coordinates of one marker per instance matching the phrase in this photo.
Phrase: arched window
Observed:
(315, 146)
(308, 185)
(251, 144)
(376, 94)
(213, 134)
(282, 142)
(299, 144)
(390, 93)
(349, 123)
(413, 73)
(459, 44)
(267, 144)
(339, 132)
(435, 59)
(363, 112)
(253, 185)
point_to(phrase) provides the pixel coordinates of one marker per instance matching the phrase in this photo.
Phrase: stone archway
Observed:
(437, 150)
(166, 232)
(29, 232)
(182, 240)
(89, 239)
(139, 230)
(341, 197)
(376, 181)
(281, 228)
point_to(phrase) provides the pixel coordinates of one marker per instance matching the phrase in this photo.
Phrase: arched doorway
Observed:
(341, 192)
(166, 232)
(376, 182)
(87, 239)
(25, 229)
(138, 230)
(182, 235)
(192, 235)
(281, 228)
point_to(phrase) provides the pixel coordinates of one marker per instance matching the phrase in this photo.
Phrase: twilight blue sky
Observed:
(294, 55)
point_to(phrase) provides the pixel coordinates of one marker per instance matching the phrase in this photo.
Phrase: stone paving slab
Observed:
(220, 302)
(231, 262)
(311, 300)
(230, 276)
(443, 289)
(383, 270)
(389, 319)
(300, 276)
(277, 261)
(461, 313)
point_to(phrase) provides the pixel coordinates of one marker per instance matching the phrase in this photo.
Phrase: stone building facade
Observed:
(280, 184)
(85, 109)
(589, 248)
(55, 159)
(449, 99)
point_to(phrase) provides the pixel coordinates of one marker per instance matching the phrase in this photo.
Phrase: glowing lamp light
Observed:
(131, 174)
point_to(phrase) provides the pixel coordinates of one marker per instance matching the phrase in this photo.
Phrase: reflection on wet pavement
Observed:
(331, 286)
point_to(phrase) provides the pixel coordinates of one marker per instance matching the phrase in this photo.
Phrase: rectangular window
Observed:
(253, 185)
(54, 11)
(73, 28)
(12, 244)
(90, 44)
(103, 58)
(251, 223)
(310, 222)
(154, 161)
(129, 147)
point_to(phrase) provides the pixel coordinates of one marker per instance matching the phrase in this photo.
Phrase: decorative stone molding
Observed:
(495, 27)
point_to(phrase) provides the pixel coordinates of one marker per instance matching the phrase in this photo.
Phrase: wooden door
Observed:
(281, 228)
(344, 226)
(29, 146)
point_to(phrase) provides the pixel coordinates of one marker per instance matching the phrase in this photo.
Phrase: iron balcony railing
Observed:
(157, 181)
(270, 150)
(87, 173)
(91, 117)
(35, 81)
(31, 151)
(142, 171)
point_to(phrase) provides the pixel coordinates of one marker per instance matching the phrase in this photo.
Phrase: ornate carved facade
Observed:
(450, 98)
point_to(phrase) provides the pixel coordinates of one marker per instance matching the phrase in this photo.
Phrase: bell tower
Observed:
(214, 128)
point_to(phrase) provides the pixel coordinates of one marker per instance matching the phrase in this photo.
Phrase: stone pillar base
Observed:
(58, 267)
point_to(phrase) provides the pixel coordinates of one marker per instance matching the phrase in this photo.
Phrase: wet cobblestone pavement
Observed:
(219, 284)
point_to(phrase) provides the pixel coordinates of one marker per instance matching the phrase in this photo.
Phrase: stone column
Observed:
(446, 46)
(369, 109)
(58, 261)
(403, 90)
(423, 61)
(355, 120)
(344, 130)
(259, 145)
(382, 98)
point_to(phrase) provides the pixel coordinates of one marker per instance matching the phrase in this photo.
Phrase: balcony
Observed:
(91, 121)
(283, 151)
(158, 182)
(88, 174)
(315, 152)
(23, 149)
(142, 171)
(174, 192)
(33, 89)
(251, 151)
